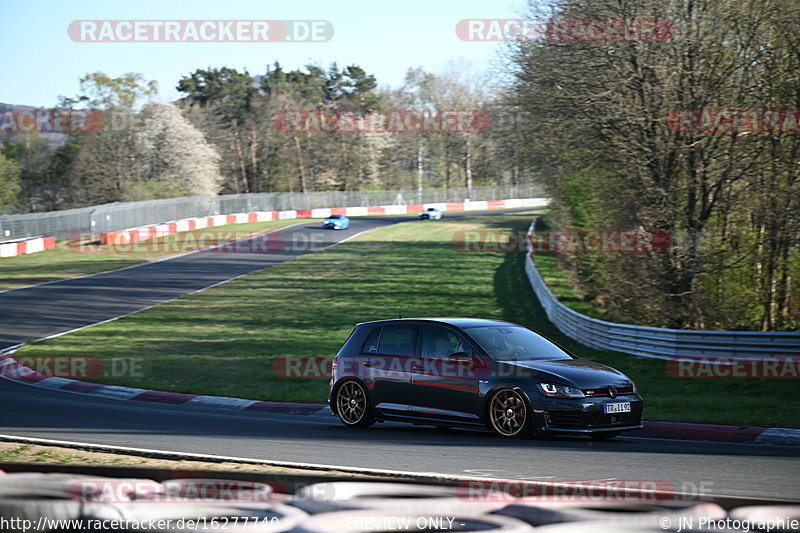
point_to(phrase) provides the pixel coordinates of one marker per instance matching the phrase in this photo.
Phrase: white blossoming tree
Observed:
(173, 156)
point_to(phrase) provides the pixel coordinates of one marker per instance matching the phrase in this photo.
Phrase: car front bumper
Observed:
(585, 415)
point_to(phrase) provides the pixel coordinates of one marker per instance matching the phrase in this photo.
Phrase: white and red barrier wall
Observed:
(26, 246)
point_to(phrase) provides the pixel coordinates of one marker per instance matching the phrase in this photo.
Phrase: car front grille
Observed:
(581, 420)
(603, 391)
(564, 419)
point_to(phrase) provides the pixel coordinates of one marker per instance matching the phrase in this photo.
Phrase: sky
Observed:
(41, 62)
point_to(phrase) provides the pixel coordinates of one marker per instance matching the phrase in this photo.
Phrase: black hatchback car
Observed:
(470, 372)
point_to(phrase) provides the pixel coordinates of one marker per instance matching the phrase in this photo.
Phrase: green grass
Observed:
(563, 287)
(223, 341)
(71, 258)
(28, 453)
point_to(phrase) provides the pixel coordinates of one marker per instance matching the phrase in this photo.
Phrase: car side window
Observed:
(441, 342)
(397, 340)
(371, 344)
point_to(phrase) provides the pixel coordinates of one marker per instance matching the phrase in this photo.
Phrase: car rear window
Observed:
(397, 340)
(371, 344)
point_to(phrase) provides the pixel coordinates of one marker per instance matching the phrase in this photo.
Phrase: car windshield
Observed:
(335, 216)
(515, 343)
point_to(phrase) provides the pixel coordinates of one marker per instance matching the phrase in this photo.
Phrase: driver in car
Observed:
(440, 345)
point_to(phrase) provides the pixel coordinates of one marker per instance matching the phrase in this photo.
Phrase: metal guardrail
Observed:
(659, 343)
(121, 215)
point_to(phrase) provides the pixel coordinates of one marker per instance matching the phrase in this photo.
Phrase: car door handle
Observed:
(367, 363)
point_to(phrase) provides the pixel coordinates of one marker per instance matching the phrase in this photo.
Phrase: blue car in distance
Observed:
(336, 222)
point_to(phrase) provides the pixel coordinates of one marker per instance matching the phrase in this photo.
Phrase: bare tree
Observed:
(610, 157)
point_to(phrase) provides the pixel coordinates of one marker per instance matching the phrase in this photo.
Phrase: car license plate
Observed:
(623, 407)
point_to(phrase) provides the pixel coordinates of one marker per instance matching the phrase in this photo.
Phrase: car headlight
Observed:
(635, 388)
(553, 390)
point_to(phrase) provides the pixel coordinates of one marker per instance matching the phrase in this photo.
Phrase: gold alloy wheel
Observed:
(351, 403)
(508, 413)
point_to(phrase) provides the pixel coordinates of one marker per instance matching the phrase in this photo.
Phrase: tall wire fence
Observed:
(122, 215)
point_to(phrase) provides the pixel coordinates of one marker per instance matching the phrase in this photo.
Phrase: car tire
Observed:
(353, 405)
(605, 435)
(509, 414)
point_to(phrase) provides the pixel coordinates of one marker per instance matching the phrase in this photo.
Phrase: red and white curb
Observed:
(717, 433)
(131, 235)
(26, 246)
(12, 370)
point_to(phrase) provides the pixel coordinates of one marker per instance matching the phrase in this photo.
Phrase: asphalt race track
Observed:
(35, 312)
(52, 308)
(718, 469)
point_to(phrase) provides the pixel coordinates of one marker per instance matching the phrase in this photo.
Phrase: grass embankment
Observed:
(223, 341)
(563, 287)
(14, 453)
(72, 258)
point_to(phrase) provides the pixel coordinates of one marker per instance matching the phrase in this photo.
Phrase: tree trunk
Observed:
(468, 166)
(419, 170)
(300, 166)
